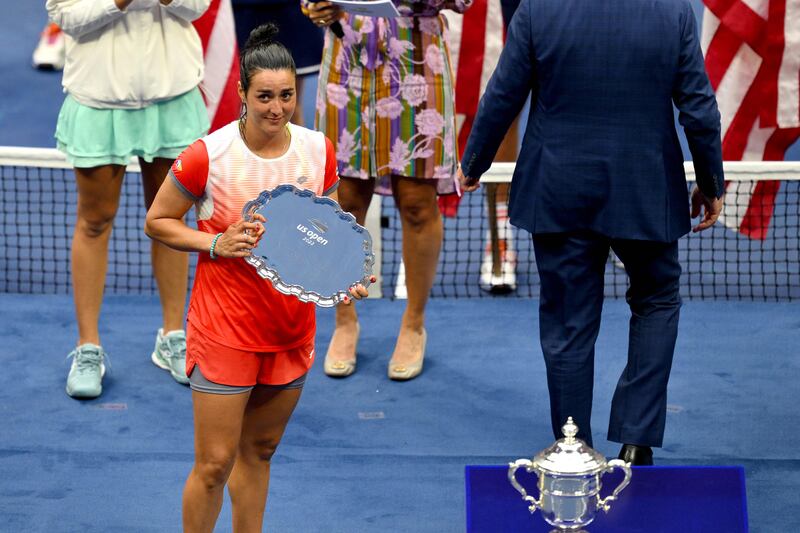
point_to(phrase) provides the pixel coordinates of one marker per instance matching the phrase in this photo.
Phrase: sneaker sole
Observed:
(501, 289)
(74, 394)
(498, 284)
(160, 363)
(48, 67)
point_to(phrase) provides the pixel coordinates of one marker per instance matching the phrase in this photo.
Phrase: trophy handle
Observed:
(605, 504)
(512, 470)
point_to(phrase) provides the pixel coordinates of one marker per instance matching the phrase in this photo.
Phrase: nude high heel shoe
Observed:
(341, 369)
(405, 372)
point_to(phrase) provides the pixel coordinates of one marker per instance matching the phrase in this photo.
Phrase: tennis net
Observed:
(39, 209)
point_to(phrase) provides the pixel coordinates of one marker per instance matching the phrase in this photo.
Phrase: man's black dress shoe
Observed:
(636, 455)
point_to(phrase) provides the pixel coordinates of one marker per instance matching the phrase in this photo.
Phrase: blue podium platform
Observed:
(659, 499)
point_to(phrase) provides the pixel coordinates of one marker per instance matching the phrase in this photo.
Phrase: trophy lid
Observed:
(569, 456)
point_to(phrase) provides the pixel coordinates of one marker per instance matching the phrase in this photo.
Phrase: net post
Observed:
(373, 224)
(494, 233)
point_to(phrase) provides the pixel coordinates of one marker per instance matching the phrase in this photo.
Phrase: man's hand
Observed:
(712, 207)
(466, 183)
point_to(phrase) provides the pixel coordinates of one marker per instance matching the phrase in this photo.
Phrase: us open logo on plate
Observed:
(313, 236)
(319, 225)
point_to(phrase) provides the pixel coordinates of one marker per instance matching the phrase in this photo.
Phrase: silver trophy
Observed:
(310, 248)
(569, 475)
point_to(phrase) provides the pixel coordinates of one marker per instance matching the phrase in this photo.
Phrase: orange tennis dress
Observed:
(236, 318)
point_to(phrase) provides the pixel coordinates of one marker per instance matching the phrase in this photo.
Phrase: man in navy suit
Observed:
(601, 168)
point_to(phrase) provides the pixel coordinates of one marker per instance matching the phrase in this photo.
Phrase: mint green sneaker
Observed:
(170, 354)
(87, 370)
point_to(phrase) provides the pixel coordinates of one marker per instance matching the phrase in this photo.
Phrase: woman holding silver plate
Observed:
(249, 347)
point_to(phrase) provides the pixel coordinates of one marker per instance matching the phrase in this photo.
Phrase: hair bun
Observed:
(263, 51)
(263, 35)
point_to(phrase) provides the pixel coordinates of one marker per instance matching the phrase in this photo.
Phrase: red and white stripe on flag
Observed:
(221, 56)
(475, 39)
(752, 55)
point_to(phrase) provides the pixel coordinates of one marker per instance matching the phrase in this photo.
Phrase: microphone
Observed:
(337, 30)
(336, 27)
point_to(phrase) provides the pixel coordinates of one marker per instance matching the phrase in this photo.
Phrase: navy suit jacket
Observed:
(600, 151)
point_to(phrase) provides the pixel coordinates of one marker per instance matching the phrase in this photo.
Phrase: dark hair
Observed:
(263, 52)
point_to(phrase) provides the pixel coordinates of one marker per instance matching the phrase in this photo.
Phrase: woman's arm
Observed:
(77, 17)
(186, 9)
(164, 223)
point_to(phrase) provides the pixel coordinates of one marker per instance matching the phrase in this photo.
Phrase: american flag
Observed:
(476, 40)
(218, 34)
(752, 55)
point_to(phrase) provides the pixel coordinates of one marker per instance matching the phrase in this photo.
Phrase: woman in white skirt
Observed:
(131, 81)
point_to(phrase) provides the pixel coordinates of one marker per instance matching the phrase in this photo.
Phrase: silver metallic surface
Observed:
(310, 248)
(569, 484)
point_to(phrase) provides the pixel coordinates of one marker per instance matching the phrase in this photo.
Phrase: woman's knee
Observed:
(95, 223)
(418, 214)
(213, 470)
(354, 206)
(260, 449)
(354, 197)
(416, 202)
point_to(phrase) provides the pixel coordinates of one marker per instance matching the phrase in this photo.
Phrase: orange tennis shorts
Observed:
(228, 366)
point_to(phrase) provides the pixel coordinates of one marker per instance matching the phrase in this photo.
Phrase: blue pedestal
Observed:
(659, 499)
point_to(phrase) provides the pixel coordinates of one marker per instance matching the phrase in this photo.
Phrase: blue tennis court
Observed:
(364, 454)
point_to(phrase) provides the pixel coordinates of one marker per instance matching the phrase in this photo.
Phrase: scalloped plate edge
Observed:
(274, 277)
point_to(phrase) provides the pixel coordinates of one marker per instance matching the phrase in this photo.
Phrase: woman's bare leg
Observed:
(217, 431)
(266, 415)
(422, 241)
(98, 200)
(170, 267)
(354, 197)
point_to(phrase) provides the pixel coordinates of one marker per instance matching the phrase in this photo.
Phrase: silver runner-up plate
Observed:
(310, 248)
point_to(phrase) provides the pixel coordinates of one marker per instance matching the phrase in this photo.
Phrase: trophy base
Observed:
(567, 530)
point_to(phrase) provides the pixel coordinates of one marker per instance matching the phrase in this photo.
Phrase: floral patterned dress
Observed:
(386, 99)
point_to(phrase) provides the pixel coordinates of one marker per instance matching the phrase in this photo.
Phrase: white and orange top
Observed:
(230, 302)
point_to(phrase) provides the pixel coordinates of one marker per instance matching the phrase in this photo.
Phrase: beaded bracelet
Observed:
(213, 244)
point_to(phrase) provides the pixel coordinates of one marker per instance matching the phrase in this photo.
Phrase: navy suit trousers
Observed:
(571, 268)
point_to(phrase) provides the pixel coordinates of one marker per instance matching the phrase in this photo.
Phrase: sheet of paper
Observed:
(370, 8)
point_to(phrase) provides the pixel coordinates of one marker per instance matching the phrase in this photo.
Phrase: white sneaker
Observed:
(170, 354)
(506, 280)
(50, 52)
(85, 379)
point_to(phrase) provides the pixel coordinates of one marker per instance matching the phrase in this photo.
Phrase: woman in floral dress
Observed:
(386, 101)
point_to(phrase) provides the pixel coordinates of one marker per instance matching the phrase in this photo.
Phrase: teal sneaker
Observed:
(87, 370)
(170, 354)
